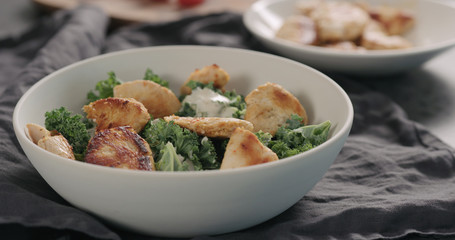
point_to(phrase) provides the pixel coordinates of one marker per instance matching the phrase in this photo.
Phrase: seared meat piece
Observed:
(245, 149)
(306, 7)
(375, 38)
(114, 112)
(212, 73)
(299, 29)
(270, 106)
(339, 21)
(57, 144)
(36, 132)
(49, 141)
(394, 20)
(345, 46)
(210, 126)
(120, 147)
(159, 101)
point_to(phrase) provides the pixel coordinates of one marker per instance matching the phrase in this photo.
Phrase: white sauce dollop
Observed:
(208, 103)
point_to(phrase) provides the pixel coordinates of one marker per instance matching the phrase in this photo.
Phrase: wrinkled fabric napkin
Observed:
(393, 178)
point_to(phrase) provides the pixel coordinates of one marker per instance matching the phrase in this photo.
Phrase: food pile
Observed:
(143, 125)
(348, 26)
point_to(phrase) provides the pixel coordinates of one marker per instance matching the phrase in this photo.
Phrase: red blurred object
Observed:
(188, 3)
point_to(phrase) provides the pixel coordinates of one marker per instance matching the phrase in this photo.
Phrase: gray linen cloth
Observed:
(393, 179)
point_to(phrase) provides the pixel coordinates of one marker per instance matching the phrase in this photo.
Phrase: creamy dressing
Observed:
(208, 103)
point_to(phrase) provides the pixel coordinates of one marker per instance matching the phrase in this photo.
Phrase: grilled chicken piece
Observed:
(270, 105)
(245, 149)
(120, 147)
(338, 21)
(394, 20)
(159, 101)
(375, 38)
(36, 132)
(114, 112)
(345, 45)
(57, 144)
(212, 73)
(215, 127)
(299, 29)
(49, 141)
(306, 7)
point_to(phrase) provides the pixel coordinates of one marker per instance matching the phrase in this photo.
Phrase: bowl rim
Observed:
(344, 129)
(248, 20)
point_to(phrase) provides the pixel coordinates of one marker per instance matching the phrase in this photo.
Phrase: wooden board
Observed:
(136, 11)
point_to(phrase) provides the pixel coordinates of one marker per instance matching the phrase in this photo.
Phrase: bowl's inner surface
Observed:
(69, 87)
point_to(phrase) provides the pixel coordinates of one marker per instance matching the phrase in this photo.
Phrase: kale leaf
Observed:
(264, 137)
(104, 88)
(198, 152)
(294, 138)
(186, 111)
(151, 76)
(73, 128)
(169, 160)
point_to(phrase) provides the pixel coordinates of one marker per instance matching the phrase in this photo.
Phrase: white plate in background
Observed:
(433, 33)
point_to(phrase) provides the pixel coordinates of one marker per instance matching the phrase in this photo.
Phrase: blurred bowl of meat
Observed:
(376, 37)
(183, 203)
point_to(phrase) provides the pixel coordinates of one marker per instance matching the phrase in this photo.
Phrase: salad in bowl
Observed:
(143, 125)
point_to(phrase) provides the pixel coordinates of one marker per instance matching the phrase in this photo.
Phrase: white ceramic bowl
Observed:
(182, 204)
(432, 34)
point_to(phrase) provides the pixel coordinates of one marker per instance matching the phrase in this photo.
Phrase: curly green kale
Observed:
(73, 128)
(169, 160)
(237, 101)
(264, 137)
(295, 121)
(196, 84)
(149, 75)
(186, 111)
(104, 88)
(315, 134)
(207, 154)
(295, 138)
(198, 152)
